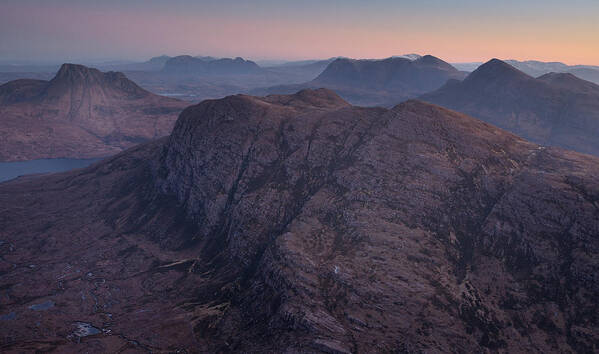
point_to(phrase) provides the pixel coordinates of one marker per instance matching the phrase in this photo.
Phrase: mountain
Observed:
(300, 71)
(153, 64)
(199, 78)
(206, 57)
(28, 68)
(411, 56)
(537, 68)
(80, 113)
(469, 67)
(589, 74)
(11, 76)
(302, 63)
(555, 109)
(188, 65)
(301, 223)
(378, 82)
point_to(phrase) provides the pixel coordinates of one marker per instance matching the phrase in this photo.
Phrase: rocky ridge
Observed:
(301, 223)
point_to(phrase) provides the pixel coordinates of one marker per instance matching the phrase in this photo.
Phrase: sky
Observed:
(456, 31)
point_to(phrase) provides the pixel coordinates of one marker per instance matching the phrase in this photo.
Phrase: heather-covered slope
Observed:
(303, 224)
(554, 109)
(80, 113)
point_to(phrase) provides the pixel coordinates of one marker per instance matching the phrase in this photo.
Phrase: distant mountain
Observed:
(469, 67)
(587, 73)
(537, 68)
(158, 61)
(206, 57)
(411, 56)
(28, 68)
(378, 82)
(292, 63)
(302, 224)
(555, 109)
(151, 65)
(301, 71)
(81, 112)
(11, 76)
(188, 65)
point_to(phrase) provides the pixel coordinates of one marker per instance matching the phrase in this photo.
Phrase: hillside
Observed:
(301, 223)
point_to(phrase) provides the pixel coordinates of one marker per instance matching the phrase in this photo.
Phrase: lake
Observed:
(10, 170)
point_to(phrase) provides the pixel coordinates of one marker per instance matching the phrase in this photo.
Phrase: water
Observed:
(8, 317)
(43, 306)
(84, 329)
(172, 94)
(10, 170)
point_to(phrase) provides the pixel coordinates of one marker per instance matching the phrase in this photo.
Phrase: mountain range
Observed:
(554, 109)
(537, 68)
(188, 65)
(301, 223)
(80, 113)
(378, 82)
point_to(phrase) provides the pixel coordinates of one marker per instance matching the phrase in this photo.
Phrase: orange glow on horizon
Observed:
(79, 32)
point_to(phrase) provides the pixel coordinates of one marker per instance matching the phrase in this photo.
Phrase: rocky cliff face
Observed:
(554, 109)
(302, 223)
(81, 112)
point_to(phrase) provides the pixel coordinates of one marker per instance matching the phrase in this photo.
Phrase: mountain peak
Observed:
(432, 61)
(70, 76)
(321, 97)
(73, 72)
(568, 81)
(496, 69)
(411, 56)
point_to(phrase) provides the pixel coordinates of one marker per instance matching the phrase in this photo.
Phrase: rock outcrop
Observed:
(301, 223)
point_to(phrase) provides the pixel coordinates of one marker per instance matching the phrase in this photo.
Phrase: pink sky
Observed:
(62, 30)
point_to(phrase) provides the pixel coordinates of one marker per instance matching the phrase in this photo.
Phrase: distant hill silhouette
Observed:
(555, 109)
(378, 82)
(537, 68)
(188, 65)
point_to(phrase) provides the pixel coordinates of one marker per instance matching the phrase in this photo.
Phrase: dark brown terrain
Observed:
(378, 82)
(556, 109)
(303, 224)
(80, 113)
